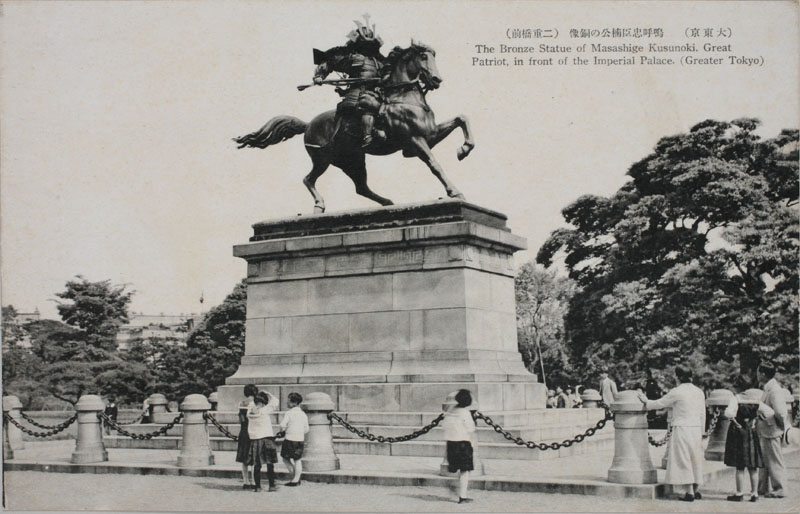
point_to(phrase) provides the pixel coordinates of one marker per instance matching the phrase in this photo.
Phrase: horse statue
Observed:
(404, 116)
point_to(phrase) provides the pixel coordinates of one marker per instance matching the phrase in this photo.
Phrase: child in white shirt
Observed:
(295, 424)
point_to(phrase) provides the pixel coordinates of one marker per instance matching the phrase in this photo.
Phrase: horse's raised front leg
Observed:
(423, 151)
(444, 129)
(310, 181)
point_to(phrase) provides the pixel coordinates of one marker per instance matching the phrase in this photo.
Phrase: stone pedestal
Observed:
(318, 454)
(385, 310)
(717, 401)
(89, 446)
(632, 463)
(195, 450)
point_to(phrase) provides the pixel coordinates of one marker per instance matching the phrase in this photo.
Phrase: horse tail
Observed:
(276, 130)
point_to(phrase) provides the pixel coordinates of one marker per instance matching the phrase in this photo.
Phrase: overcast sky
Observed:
(116, 160)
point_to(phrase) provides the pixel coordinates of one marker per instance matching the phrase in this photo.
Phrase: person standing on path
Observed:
(685, 462)
(770, 425)
(608, 388)
(112, 411)
(262, 440)
(742, 446)
(295, 424)
(458, 427)
(243, 442)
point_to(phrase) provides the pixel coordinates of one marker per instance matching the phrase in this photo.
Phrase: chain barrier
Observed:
(51, 430)
(161, 431)
(37, 425)
(383, 439)
(227, 433)
(531, 445)
(220, 426)
(714, 419)
(662, 442)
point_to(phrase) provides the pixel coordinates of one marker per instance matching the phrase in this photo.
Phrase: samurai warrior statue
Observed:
(361, 60)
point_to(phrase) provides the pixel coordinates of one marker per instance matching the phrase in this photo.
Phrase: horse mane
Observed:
(399, 52)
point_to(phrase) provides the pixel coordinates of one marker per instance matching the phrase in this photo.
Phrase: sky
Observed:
(116, 159)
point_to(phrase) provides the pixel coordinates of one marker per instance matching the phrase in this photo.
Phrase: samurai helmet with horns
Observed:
(364, 33)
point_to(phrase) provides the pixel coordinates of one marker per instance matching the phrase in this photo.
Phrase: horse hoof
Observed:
(458, 196)
(463, 151)
(319, 209)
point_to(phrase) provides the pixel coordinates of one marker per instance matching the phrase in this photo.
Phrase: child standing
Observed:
(295, 424)
(742, 446)
(458, 428)
(262, 441)
(243, 443)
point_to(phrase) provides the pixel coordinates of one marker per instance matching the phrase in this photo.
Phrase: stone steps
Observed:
(415, 448)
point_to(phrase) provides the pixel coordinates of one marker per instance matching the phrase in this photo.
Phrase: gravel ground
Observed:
(28, 490)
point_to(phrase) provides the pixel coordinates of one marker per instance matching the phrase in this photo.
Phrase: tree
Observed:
(699, 250)
(213, 350)
(542, 298)
(13, 333)
(97, 308)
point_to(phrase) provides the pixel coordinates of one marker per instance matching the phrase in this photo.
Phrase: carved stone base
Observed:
(386, 309)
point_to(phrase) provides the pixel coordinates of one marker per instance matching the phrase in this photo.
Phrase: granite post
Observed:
(717, 400)
(632, 463)
(13, 407)
(319, 454)
(195, 450)
(89, 446)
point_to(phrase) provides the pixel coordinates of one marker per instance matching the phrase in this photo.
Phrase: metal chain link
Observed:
(55, 429)
(219, 425)
(662, 442)
(383, 439)
(161, 431)
(714, 420)
(37, 425)
(545, 446)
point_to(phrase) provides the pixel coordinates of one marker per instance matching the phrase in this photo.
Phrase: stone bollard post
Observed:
(213, 399)
(319, 454)
(590, 398)
(13, 407)
(158, 408)
(89, 447)
(9, 403)
(195, 450)
(632, 463)
(717, 400)
(444, 467)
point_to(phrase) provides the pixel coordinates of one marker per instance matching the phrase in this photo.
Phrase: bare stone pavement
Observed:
(30, 490)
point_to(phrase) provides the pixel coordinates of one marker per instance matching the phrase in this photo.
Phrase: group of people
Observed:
(256, 443)
(564, 398)
(758, 421)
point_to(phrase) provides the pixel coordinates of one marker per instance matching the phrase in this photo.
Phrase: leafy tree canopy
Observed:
(698, 250)
(98, 308)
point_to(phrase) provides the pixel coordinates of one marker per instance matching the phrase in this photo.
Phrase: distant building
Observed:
(21, 319)
(166, 327)
(25, 317)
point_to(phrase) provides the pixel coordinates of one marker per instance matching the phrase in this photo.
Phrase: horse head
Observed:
(418, 61)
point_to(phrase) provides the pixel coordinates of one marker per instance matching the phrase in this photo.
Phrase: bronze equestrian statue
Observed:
(403, 118)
